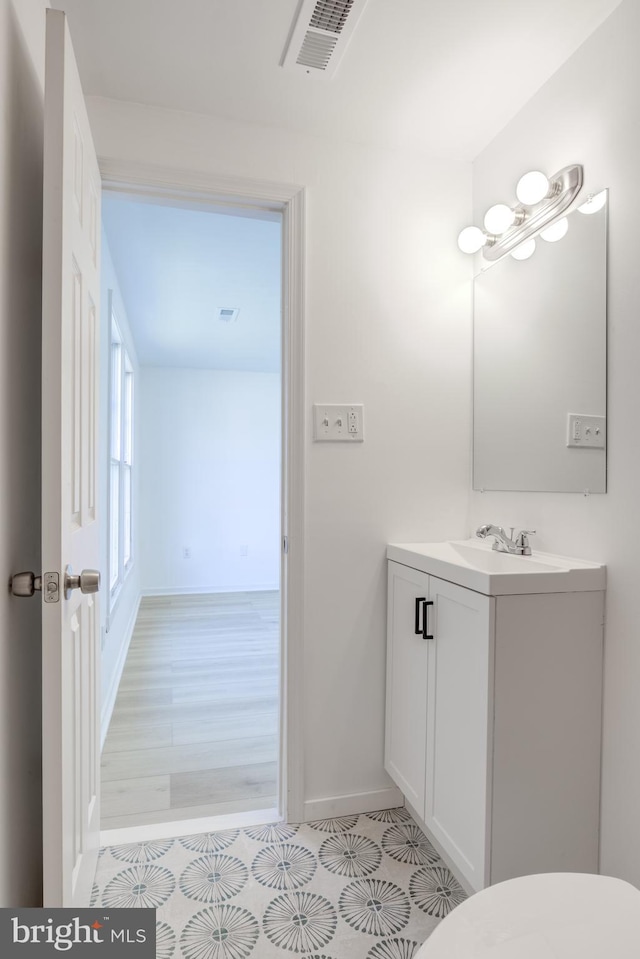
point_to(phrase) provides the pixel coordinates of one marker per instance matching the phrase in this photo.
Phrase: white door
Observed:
(458, 725)
(70, 626)
(406, 699)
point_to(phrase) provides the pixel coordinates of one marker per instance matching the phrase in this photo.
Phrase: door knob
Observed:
(88, 581)
(27, 584)
(24, 584)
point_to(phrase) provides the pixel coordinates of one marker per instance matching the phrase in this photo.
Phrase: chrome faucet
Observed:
(507, 544)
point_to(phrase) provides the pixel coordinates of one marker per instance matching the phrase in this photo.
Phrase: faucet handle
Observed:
(522, 539)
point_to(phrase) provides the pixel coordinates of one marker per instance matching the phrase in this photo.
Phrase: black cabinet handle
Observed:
(420, 599)
(425, 603)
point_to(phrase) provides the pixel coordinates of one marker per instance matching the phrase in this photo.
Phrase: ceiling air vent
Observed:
(227, 314)
(321, 34)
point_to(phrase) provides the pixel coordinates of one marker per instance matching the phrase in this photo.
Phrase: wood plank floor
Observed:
(194, 730)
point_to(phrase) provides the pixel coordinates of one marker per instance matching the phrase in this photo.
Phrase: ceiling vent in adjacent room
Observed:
(321, 34)
(227, 314)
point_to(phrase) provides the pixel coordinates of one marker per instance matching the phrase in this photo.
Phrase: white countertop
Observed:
(475, 565)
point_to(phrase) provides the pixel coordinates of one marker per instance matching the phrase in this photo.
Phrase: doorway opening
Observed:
(194, 476)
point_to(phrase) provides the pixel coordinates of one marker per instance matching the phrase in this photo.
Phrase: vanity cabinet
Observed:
(493, 723)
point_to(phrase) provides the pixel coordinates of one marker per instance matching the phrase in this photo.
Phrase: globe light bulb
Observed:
(524, 251)
(532, 187)
(471, 239)
(499, 218)
(594, 202)
(556, 231)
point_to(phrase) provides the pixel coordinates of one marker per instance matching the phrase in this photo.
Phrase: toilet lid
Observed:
(547, 916)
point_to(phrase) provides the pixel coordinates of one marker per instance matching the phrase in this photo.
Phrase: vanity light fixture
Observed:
(556, 231)
(525, 250)
(500, 217)
(593, 203)
(471, 239)
(532, 187)
(542, 201)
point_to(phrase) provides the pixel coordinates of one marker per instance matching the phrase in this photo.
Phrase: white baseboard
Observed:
(110, 700)
(353, 803)
(199, 590)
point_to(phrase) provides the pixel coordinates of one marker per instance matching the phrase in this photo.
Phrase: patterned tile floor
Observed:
(357, 887)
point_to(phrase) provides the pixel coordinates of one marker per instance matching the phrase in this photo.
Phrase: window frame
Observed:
(120, 463)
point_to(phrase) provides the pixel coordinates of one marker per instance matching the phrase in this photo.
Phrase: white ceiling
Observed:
(177, 266)
(440, 76)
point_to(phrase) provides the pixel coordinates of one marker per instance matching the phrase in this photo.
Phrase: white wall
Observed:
(388, 325)
(209, 460)
(588, 113)
(21, 99)
(116, 629)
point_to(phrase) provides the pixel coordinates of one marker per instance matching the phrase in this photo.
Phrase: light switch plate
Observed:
(586, 431)
(338, 423)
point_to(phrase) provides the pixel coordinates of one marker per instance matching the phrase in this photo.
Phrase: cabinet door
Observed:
(406, 699)
(458, 726)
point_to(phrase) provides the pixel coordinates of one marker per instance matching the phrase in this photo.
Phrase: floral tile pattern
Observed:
(355, 887)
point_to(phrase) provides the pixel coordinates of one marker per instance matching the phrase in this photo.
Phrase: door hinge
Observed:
(285, 544)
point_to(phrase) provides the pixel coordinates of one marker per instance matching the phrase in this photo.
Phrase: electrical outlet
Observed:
(244, 549)
(186, 552)
(338, 423)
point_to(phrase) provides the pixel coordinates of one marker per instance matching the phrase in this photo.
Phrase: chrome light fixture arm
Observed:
(507, 228)
(566, 184)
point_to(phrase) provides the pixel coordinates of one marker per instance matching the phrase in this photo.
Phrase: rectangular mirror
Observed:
(540, 364)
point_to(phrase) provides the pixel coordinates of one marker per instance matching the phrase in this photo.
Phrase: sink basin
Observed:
(492, 561)
(475, 565)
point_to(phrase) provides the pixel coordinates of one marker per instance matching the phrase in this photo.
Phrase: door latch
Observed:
(27, 583)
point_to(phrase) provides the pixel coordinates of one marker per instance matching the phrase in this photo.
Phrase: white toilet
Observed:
(547, 916)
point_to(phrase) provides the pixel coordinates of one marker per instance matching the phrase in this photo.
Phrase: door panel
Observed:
(71, 293)
(406, 698)
(459, 725)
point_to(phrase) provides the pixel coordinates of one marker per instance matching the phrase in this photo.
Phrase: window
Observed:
(120, 462)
